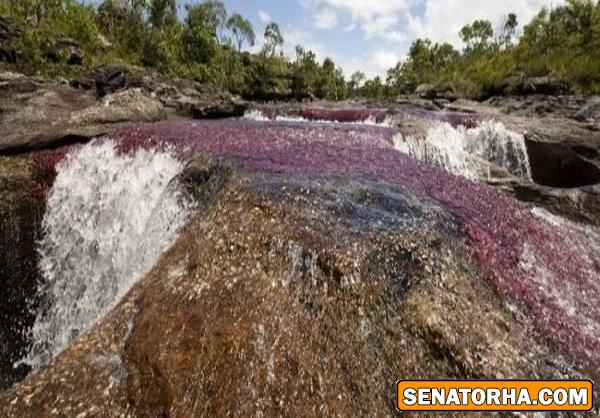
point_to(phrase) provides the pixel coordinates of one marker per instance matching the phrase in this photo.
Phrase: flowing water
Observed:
(113, 210)
(108, 219)
(468, 151)
(465, 151)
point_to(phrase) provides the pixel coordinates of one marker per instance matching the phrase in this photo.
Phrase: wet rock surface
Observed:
(21, 211)
(322, 266)
(563, 149)
(590, 112)
(323, 315)
(37, 115)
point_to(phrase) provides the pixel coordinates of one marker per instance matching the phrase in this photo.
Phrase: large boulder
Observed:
(8, 33)
(436, 92)
(38, 115)
(327, 290)
(185, 97)
(590, 112)
(547, 85)
(65, 49)
(192, 99)
(558, 164)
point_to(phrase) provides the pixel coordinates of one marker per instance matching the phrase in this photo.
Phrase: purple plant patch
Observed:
(550, 270)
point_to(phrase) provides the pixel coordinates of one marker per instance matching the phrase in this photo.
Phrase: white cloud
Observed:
(443, 19)
(374, 17)
(307, 39)
(382, 61)
(264, 17)
(368, 9)
(378, 25)
(325, 19)
(395, 21)
(390, 26)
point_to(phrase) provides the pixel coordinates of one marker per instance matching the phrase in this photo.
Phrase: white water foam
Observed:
(109, 217)
(259, 116)
(467, 152)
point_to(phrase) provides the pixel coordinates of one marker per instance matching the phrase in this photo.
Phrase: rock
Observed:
(327, 286)
(557, 164)
(8, 32)
(219, 110)
(110, 80)
(21, 211)
(536, 106)
(37, 115)
(431, 92)
(186, 97)
(590, 112)
(189, 98)
(66, 49)
(123, 106)
(548, 86)
(329, 265)
(231, 109)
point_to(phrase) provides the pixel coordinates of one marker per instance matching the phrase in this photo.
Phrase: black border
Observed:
(491, 410)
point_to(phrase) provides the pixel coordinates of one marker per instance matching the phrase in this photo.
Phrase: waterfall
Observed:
(260, 116)
(108, 219)
(466, 152)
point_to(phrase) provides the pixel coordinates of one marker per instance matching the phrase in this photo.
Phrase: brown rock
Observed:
(260, 308)
(37, 115)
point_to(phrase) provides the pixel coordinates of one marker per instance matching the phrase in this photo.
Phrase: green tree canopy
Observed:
(273, 39)
(162, 12)
(242, 30)
(477, 35)
(210, 15)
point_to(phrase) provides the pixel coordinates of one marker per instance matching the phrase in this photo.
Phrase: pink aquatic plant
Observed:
(549, 270)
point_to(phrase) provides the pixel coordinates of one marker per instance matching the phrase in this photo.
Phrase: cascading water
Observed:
(466, 152)
(259, 116)
(108, 219)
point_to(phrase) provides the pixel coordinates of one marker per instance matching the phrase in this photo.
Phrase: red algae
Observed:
(345, 115)
(548, 271)
(371, 114)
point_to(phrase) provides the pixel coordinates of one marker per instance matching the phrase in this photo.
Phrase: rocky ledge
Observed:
(291, 295)
(37, 114)
(318, 265)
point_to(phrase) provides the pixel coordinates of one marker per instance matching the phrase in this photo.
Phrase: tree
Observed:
(242, 30)
(332, 85)
(509, 30)
(162, 12)
(374, 88)
(123, 23)
(210, 15)
(356, 80)
(305, 74)
(273, 39)
(199, 36)
(477, 35)
(426, 63)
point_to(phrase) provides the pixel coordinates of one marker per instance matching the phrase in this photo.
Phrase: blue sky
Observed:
(372, 35)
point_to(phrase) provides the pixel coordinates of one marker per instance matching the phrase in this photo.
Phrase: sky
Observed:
(373, 35)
